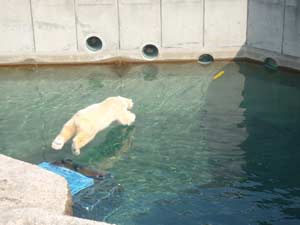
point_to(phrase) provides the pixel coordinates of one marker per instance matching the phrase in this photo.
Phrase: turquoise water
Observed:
(200, 152)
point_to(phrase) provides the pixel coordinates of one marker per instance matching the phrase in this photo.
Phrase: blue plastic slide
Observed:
(76, 181)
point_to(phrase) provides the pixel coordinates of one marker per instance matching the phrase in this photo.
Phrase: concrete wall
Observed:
(139, 23)
(291, 38)
(62, 26)
(54, 25)
(100, 18)
(182, 24)
(38, 29)
(225, 23)
(16, 27)
(274, 25)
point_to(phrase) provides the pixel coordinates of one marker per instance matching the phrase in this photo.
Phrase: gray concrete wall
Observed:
(54, 26)
(182, 24)
(62, 26)
(291, 38)
(274, 25)
(225, 23)
(56, 30)
(100, 18)
(139, 23)
(16, 27)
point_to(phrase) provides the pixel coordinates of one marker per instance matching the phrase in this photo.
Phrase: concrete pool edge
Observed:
(31, 195)
(166, 55)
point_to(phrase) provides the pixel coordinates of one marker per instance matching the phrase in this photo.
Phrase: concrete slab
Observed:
(24, 185)
(30, 195)
(225, 23)
(265, 24)
(291, 40)
(34, 216)
(54, 25)
(15, 27)
(182, 23)
(100, 18)
(139, 23)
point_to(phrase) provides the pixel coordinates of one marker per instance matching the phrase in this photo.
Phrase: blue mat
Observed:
(76, 181)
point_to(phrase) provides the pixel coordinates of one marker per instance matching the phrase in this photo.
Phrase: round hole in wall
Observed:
(271, 64)
(94, 43)
(150, 51)
(205, 59)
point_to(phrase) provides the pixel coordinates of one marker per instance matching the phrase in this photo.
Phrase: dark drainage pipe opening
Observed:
(205, 59)
(150, 51)
(270, 64)
(94, 43)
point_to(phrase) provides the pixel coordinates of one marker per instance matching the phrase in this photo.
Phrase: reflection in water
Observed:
(150, 72)
(102, 199)
(121, 69)
(272, 120)
(117, 142)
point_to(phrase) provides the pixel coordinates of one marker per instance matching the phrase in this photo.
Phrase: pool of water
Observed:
(200, 152)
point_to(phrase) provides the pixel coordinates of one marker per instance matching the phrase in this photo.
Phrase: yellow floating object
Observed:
(218, 75)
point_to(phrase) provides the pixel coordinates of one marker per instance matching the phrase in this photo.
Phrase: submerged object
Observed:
(76, 181)
(68, 163)
(218, 75)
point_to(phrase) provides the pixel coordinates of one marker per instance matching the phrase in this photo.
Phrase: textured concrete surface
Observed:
(34, 216)
(182, 23)
(291, 38)
(169, 54)
(54, 25)
(93, 18)
(265, 24)
(15, 27)
(38, 31)
(26, 185)
(30, 195)
(139, 23)
(225, 23)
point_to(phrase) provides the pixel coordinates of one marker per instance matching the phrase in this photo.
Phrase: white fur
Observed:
(86, 123)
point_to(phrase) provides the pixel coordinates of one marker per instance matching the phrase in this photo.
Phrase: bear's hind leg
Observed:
(80, 140)
(65, 134)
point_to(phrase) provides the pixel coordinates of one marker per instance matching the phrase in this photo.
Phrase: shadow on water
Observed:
(117, 142)
(105, 196)
(272, 120)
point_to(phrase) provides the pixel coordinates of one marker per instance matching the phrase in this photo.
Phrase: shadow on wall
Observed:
(274, 26)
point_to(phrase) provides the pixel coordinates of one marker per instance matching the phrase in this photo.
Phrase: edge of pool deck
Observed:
(31, 195)
(135, 56)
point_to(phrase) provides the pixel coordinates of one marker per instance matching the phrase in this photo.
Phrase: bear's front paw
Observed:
(131, 119)
(58, 143)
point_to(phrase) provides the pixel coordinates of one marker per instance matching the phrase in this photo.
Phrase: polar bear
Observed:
(86, 123)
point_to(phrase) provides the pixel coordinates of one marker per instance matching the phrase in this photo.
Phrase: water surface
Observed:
(200, 151)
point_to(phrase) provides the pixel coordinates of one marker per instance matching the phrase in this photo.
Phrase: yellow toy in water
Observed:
(218, 75)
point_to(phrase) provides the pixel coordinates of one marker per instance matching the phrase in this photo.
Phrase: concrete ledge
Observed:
(33, 216)
(30, 195)
(165, 55)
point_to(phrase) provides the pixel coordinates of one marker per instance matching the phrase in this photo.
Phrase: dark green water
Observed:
(200, 152)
